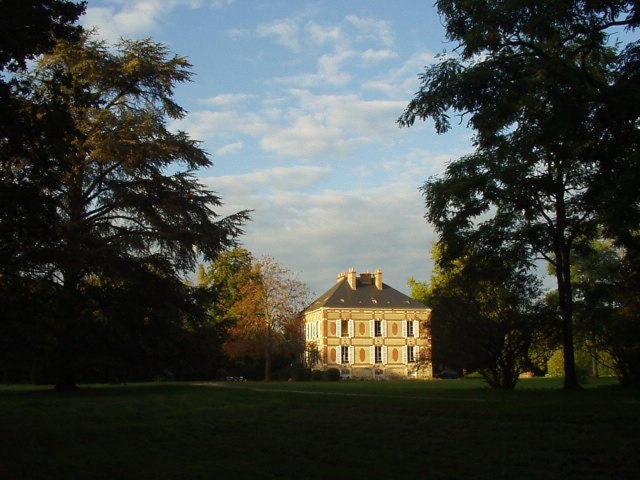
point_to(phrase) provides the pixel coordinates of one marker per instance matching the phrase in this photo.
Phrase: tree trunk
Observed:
(267, 364)
(565, 296)
(66, 342)
(71, 309)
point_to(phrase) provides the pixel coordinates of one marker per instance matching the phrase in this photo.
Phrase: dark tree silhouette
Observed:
(542, 84)
(117, 199)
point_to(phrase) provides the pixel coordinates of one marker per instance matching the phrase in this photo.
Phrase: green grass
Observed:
(454, 429)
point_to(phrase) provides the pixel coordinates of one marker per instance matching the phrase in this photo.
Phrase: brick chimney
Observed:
(378, 277)
(351, 278)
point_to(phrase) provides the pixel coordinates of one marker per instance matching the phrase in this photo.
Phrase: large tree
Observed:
(28, 28)
(539, 82)
(607, 288)
(487, 315)
(267, 314)
(119, 201)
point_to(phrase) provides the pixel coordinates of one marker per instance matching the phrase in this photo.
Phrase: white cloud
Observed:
(230, 148)
(370, 28)
(309, 127)
(237, 33)
(137, 17)
(402, 82)
(328, 72)
(331, 124)
(227, 99)
(285, 31)
(370, 56)
(322, 232)
(322, 34)
(244, 186)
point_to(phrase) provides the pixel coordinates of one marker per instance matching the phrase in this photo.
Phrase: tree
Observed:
(225, 277)
(267, 314)
(486, 316)
(539, 82)
(28, 29)
(607, 306)
(122, 204)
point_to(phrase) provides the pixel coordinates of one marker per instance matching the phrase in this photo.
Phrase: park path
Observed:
(339, 394)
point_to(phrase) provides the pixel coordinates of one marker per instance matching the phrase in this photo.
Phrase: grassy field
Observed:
(454, 429)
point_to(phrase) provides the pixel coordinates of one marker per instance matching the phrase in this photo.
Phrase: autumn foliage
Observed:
(267, 314)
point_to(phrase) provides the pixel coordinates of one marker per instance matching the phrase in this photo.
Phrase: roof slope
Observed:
(341, 295)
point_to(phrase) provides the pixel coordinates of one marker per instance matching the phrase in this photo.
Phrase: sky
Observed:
(297, 104)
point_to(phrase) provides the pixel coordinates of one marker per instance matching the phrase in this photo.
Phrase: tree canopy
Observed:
(539, 83)
(115, 204)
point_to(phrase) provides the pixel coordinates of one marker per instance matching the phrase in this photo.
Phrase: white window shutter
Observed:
(339, 328)
(351, 354)
(416, 353)
(404, 355)
(384, 354)
(371, 332)
(404, 329)
(351, 329)
(416, 328)
(372, 354)
(383, 327)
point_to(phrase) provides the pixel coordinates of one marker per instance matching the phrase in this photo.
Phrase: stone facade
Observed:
(369, 341)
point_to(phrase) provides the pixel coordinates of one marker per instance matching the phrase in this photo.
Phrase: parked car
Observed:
(448, 374)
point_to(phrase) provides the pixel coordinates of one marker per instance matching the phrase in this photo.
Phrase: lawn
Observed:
(454, 429)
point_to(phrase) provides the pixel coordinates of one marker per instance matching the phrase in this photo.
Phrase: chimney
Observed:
(341, 275)
(378, 277)
(351, 278)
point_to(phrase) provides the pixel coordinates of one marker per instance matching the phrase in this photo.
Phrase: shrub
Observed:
(332, 374)
(317, 375)
(300, 373)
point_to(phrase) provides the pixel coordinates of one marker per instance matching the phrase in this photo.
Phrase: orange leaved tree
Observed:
(267, 314)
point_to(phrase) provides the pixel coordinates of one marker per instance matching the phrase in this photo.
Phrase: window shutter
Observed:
(372, 354)
(351, 329)
(416, 328)
(351, 354)
(384, 354)
(371, 332)
(338, 328)
(404, 329)
(416, 353)
(383, 328)
(405, 355)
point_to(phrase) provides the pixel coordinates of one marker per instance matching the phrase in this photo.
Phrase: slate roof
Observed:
(341, 295)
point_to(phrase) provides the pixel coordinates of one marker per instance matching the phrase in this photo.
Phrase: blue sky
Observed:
(297, 103)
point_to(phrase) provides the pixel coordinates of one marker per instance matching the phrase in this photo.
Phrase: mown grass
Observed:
(454, 429)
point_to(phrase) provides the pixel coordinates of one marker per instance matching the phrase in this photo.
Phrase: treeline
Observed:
(551, 90)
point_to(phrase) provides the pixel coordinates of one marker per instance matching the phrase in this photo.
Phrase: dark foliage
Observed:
(102, 206)
(554, 105)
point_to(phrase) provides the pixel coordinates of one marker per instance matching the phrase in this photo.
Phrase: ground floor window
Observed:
(344, 354)
(378, 353)
(410, 356)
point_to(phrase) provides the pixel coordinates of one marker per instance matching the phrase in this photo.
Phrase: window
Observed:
(410, 328)
(378, 354)
(344, 328)
(377, 328)
(410, 357)
(344, 354)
